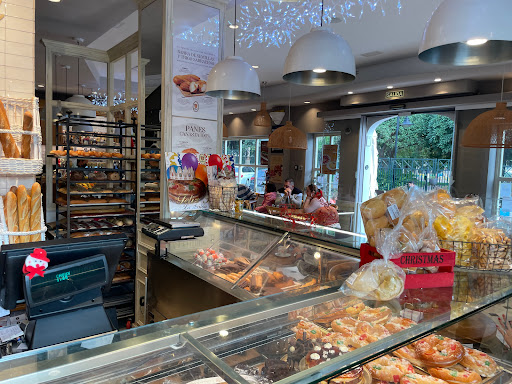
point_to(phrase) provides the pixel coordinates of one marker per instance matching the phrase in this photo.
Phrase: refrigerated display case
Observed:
(273, 338)
(236, 261)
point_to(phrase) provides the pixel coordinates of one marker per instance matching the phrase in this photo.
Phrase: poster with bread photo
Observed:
(192, 62)
(187, 178)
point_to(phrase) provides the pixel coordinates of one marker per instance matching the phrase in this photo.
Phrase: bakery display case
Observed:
(350, 240)
(236, 261)
(306, 338)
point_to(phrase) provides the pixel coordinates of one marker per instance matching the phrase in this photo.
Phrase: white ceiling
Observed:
(395, 34)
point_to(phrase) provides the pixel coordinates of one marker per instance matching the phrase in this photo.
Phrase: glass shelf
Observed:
(252, 332)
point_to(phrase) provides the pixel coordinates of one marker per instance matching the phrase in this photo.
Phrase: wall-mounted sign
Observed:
(395, 94)
(194, 135)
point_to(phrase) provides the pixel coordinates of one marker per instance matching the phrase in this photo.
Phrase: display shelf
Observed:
(97, 181)
(93, 169)
(79, 216)
(95, 193)
(94, 158)
(121, 142)
(251, 333)
(86, 205)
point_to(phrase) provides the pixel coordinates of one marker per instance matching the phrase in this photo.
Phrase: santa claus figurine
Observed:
(36, 263)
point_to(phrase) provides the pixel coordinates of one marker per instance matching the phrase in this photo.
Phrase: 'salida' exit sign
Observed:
(396, 94)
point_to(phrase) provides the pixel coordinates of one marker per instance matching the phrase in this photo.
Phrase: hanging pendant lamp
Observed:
(320, 58)
(468, 32)
(233, 78)
(491, 129)
(262, 118)
(288, 136)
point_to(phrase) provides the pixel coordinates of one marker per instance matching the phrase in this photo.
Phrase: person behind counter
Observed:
(289, 194)
(269, 198)
(323, 213)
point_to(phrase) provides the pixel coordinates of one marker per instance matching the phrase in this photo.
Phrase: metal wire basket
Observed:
(480, 256)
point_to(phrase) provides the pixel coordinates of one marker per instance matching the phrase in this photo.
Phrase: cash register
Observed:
(171, 230)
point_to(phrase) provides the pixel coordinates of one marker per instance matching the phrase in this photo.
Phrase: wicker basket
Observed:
(222, 198)
(4, 233)
(15, 109)
(481, 256)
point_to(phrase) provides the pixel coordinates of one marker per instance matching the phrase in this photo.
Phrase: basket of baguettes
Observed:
(21, 215)
(20, 137)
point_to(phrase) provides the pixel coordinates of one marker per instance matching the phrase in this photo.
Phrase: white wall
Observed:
(17, 42)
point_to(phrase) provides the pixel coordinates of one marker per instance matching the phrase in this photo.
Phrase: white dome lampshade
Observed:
(468, 32)
(81, 99)
(233, 79)
(320, 58)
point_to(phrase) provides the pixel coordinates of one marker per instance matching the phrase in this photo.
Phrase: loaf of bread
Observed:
(26, 140)
(23, 213)
(35, 211)
(12, 216)
(8, 144)
(4, 200)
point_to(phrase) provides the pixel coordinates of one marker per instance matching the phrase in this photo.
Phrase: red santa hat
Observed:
(40, 254)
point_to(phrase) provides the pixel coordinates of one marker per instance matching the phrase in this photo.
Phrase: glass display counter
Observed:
(304, 338)
(339, 237)
(236, 261)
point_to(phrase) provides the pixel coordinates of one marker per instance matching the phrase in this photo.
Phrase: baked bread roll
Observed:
(8, 144)
(12, 216)
(373, 209)
(371, 226)
(23, 213)
(26, 140)
(35, 211)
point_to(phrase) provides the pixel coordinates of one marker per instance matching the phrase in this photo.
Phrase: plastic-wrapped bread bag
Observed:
(382, 212)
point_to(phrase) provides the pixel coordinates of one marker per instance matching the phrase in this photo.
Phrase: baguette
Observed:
(12, 217)
(14, 189)
(26, 140)
(23, 213)
(35, 211)
(4, 198)
(8, 144)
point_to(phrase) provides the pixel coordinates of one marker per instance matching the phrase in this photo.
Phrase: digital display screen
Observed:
(68, 281)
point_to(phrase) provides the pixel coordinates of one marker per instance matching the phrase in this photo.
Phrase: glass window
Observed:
(233, 148)
(248, 152)
(327, 183)
(251, 162)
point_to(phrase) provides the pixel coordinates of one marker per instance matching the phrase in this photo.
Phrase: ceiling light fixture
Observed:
(220, 80)
(452, 37)
(253, 109)
(350, 92)
(255, 66)
(288, 136)
(230, 113)
(320, 58)
(307, 102)
(389, 87)
(54, 1)
(476, 41)
(491, 129)
(438, 79)
(233, 26)
(262, 118)
(40, 85)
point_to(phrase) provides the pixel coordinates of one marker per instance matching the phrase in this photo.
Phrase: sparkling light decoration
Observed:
(273, 23)
(205, 33)
(100, 98)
